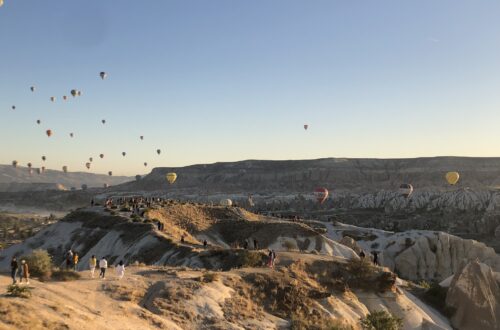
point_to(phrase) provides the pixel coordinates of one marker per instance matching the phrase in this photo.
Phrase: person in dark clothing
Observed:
(375, 257)
(159, 225)
(362, 254)
(205, 243)
(13, 269)
(182, 239)
(92, 202)
(255, 244)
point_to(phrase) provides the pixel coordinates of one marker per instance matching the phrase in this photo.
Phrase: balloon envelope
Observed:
(65, 169)
(110, 173)
(406, 189)
(452, 177)
(306, 127)
(321, 194)
(103, 75)
(101, 155)
(44, 158)
(48, 132)
(171, 177)
(32, 88)
(158, 151)
(87, 165)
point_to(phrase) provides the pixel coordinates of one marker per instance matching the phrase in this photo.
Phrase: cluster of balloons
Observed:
(74, 93)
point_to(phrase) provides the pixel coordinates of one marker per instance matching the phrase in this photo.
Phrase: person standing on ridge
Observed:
(120, 270)
(13, 269)
(26, 272)
(75, 261)
(92, 265)
(69, 259)
(103, 265)
(375, 257)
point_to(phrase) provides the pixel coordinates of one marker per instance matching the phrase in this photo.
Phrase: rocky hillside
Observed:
(19, 179)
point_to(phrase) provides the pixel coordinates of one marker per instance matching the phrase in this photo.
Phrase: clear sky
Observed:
(209, 81)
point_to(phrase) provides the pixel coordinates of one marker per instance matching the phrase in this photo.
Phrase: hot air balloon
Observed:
(158, 151)
(38, 121)
(171, 177)
(53, 98)
(71, 134)
(29, 165)
(84, 186)
(74, 92)
(44, 158)
(142, 137)
(48, 132)
(145, 164)
(91, 159)
(65, 97)
(103, 121)
(226, 202)
(306, 127)
(79, 93)
(124, 154)
(87, 165)
(14, 163)
(65, 169)
(321, 194)
(103, 75)
(101, 155)
(13, 107)
(110, 173)
(452, 178)
(138, 177)
(32, 88)
(406, 189)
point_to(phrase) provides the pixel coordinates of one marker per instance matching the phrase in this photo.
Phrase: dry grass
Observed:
(17, 315)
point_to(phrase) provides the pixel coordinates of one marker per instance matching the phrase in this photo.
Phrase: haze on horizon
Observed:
(209, 81)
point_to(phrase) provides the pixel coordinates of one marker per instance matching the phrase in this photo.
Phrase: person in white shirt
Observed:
(120, 270)
(103, 264)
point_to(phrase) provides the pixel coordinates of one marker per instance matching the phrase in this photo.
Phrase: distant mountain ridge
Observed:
(19, 179)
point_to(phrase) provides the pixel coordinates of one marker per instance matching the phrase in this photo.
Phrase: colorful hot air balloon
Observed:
(48, 132)
(103, 121)
(65, 97)
(124, 154)
(29, 165)
(142, 137)
(14, 163)
(171, 177)
(101, 155)
(44, 158)
(110, 173)
(87, 165)
(53, 98)
(91, 159)
(13, 107)
(452, 178)
(32, 88)
(158, 151)
(306, 127)
(103, 75)
(65, 169)
(38, 121)
(145, 164)
(79, 93)
(74, 92)
(71, 135)
(321, 194)
(406, 189)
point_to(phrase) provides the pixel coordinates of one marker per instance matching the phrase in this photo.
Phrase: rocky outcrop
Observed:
(474, 294)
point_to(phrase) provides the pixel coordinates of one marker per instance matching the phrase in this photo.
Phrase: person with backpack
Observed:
(13, 269)
(103, 265)
(92, 265)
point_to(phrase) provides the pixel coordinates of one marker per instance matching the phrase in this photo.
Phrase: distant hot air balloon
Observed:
(44, 158)
(29, 165)
(49, 133)
(321, 194)
(71, 135)
(65, 97)
(65, 169)
(13, 107)
(53, 98)
(91, 159)
(103, 75)
(87, 165)
(38, 121)
(142, 137)
(14, 163)
(79, 93)
(452, 178)
(306, 127)
(171, 177)
(74, 92)
(406, 189)
(32, 88)
(226, 202)
(124, 154)
(145, 164)
(158, 151)
(84, 186)
(110, 173)
(138, 177)
(101, 155)
(103, 121)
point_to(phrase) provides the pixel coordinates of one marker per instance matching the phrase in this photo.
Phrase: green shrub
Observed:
(381, 320)
(290, 245)
(39, 264)
(65, 275)
(14, 290)
(424, 284)
(361, 268)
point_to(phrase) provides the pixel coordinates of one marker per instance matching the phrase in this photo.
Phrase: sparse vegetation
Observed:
(435, 296)
(65, 275)
(15, 290)
(39, 263)
(381, 320)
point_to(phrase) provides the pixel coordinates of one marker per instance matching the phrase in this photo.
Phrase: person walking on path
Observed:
(13, 269)
(69, 259)
(120, 270)
(26, 272)
(375, 257)
(103, 265)
(75, 261)
(92, 265)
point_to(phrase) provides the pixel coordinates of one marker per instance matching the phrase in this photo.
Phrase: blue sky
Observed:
(209, 81)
